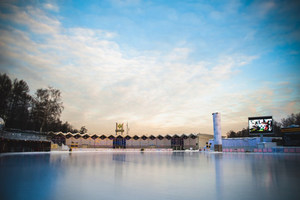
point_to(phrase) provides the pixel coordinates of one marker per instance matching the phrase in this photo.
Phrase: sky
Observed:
(162, 66)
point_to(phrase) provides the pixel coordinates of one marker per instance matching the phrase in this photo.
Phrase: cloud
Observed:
(33, 18)
(263, 8)
(51, 6)
(178, 54)
(157, 92)
(125, 2)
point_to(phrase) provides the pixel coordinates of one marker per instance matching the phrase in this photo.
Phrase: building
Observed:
(23, 141)
(291, 136)
(176, 142)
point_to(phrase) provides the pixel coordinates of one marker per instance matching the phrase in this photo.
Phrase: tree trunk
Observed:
(41, 128)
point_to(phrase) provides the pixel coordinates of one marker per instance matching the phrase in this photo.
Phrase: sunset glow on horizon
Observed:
(162, 66)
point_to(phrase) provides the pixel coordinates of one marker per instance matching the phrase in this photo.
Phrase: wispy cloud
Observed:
(51, 6)
(156, 91)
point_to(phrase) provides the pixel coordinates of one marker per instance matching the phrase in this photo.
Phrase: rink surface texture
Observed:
(149, 175)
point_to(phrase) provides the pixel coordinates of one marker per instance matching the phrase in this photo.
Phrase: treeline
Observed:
(40, 112)
(293, 119)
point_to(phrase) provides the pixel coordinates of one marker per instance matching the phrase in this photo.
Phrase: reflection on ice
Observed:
(135, 175)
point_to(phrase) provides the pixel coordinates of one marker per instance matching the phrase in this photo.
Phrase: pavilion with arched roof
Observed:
(178, 142)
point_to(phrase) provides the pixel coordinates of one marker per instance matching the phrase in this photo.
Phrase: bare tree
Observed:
(5, 91)
(18, 106)
(47, 105)
(293, 119)
(83, 130)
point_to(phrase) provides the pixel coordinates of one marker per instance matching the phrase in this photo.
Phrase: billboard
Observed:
(119, 128)
(260, 124)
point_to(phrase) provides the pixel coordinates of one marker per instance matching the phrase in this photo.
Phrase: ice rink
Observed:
(149, 175)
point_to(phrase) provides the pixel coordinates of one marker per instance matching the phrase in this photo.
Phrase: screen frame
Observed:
(260, 132)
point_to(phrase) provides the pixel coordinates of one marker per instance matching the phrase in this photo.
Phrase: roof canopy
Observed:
(86, 136)
(103, 137)
(160, 137)
(94, 136)
(136, 137)
(127, 137)
(111, 137)
(144, 137)
(168, 137)
(152, 137)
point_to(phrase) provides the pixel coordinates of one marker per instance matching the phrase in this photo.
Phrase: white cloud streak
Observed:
(51, 6)
(157, 93)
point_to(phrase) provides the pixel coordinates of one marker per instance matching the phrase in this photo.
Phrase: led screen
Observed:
(260, 124)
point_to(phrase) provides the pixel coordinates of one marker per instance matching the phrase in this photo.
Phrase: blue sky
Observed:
(163, 66)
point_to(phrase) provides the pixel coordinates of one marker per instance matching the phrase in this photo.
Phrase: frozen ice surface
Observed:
(149, 175)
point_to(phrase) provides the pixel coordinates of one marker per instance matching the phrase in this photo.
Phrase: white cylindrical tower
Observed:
(217, 131)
